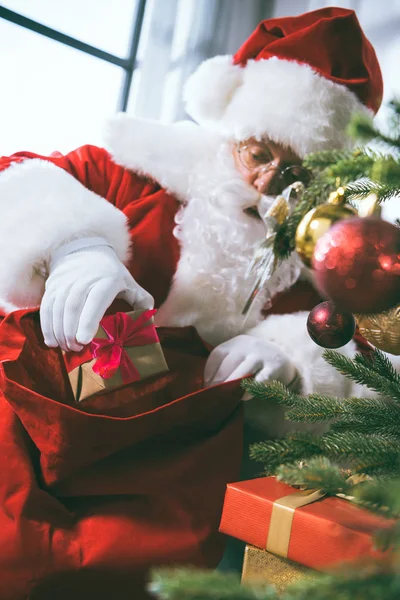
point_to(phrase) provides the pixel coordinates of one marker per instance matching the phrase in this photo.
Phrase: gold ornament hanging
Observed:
(318, 221)
(382, 330)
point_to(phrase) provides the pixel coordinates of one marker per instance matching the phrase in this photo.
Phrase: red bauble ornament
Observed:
(329, 327)
(357, 265)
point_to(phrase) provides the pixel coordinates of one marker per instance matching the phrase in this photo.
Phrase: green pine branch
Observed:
(196, 584)
(377, 467)
(380, 364)
(351, 444)
(361, 374)
(375, 412)
(380, 495)
(357, 584)
(386, 170)
(363, 188)
(379, 174)
(319, 474)
(380, 412)
(394, 105)
(315, 408)
(273, 453)
(273, 391)
(365, 426)
(368, 581)
(389, 538)
(326, 158)
(377, 494)
(357, 166)
(362, 128)
(349, 447)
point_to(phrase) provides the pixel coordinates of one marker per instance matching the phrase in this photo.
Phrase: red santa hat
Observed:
(296, 80)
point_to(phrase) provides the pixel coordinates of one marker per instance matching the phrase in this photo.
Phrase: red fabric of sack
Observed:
(94, 494)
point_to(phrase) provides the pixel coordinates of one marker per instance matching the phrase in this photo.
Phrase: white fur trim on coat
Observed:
(283, 100)
(210, 89)
(42, 208)
(166, 153)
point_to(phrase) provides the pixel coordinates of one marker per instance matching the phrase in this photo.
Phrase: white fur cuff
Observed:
(42, 208)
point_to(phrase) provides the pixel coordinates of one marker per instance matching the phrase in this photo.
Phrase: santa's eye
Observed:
(255, 156)
(260, 157)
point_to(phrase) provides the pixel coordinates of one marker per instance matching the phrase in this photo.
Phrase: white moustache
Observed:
(234, 194)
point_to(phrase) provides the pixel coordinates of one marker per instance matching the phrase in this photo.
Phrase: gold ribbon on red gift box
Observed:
(304, 526)
(282, 515)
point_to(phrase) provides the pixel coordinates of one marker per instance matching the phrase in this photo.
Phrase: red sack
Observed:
(93, 494)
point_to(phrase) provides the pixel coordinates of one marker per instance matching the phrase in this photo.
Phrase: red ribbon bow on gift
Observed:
(121, 331)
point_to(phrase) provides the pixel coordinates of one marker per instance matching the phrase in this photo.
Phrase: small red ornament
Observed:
(329, 327)
(357, 265)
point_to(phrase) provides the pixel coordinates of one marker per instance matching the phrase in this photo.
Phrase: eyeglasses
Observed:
(258, 158)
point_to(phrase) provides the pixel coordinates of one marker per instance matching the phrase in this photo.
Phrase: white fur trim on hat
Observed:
(283, 100)
(210, 89)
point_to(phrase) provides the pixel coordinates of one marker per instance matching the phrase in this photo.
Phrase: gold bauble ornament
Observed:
(382, 330)
(318, 221)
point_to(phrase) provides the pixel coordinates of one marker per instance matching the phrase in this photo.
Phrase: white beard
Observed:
(217, 242)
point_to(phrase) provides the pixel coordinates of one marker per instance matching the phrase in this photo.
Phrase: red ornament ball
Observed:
(329, 327)
(357, 265)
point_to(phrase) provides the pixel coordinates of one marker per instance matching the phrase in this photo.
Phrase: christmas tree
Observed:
(360, 173)
(359, 454)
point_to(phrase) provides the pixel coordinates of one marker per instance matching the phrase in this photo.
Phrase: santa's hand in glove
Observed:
(85, 277)
(247, 355)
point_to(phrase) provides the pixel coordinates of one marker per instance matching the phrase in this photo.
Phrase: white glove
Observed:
(85, 278)
(244, 355)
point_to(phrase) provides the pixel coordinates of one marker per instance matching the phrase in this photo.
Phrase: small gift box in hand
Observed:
(125, 349)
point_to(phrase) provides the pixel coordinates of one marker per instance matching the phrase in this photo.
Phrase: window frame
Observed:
(128, 64)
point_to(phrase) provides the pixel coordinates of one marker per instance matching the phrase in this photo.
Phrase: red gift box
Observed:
(325, 532)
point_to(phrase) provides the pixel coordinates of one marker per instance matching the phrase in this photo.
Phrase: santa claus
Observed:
(171, 215)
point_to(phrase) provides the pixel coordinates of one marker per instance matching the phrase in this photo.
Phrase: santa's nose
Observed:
(268, 182)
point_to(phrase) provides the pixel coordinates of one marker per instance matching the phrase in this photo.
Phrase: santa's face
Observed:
(268, 167)
(218, 237)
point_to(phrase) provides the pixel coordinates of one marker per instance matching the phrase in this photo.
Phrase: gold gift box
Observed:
(148, 359)
(260, 567)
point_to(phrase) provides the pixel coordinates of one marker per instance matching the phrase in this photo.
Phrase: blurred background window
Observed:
(67, 66)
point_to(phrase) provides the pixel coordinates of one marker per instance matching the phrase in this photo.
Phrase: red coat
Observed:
(89, 501)
(149, 209)
(91, 497)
